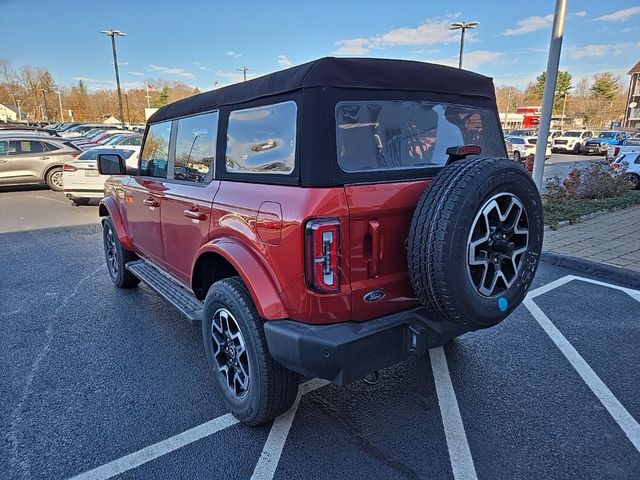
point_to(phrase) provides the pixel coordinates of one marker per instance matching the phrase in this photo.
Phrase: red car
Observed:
(326, 220)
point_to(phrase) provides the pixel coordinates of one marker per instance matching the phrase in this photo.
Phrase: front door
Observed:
(189, 193)
(5, 162)
(145, 191)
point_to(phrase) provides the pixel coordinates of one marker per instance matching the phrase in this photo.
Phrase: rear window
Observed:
(400, 134)
(93, 154)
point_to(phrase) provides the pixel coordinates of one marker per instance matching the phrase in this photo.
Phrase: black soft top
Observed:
(365, 73)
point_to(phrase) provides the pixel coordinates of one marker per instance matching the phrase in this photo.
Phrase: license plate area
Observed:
(91, 173)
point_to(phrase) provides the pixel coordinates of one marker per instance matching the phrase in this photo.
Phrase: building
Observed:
(530, 116)
(112, 121)
(7, 114)
(510, 120)
(632, 110)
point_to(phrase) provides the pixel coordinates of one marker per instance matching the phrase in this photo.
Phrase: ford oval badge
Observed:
(373, 296)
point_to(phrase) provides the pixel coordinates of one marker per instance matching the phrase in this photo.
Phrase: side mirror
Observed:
(111, 164)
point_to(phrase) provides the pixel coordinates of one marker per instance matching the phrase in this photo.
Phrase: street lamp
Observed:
(19, 102)
(462, 26)
(45, 112)
(113, 34)
(244, 71)
(60, 104)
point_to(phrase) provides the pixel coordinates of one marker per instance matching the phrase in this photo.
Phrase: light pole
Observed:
(45, 112)
(462, 26)
(126, 99)
(60, 104)
(19, 102)
(113, 34)
(244, 71)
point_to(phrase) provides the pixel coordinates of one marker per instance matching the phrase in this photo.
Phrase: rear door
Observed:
(406, 141)
(29, 160)
(185, 208)
(145, 191)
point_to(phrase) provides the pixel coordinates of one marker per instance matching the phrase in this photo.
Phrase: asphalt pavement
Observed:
(101, 382)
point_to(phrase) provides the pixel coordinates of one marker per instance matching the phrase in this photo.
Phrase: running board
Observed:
(172, 291)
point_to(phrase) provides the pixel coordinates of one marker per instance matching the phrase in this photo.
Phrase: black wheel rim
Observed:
(111, 251)
(230, 352)
(497, 243)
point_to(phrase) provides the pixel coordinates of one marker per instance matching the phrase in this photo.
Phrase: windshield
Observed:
(607, 134)
(573, 134)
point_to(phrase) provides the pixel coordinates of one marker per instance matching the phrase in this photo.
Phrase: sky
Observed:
(204, 42)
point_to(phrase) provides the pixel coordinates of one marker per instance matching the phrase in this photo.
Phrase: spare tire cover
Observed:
(475, 241)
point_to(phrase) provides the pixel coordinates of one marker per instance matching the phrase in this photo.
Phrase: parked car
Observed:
(570, 141)
(523, 132)
(523, 146)
(81, 178)
(599, 144)
(629, 164)
(325, 220)
(34, 159)
(125, 139)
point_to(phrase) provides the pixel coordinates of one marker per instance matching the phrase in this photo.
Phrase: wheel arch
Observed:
(224, 258)
(109, 208)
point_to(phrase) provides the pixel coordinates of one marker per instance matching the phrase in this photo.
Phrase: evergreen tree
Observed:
(605, 86)
(563, 86)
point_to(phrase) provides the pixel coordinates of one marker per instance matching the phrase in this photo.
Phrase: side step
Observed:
(172, 291)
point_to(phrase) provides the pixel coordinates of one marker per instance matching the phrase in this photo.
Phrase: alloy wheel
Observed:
(230, 352)
(497, 243)
(56, 179)
(111, 251)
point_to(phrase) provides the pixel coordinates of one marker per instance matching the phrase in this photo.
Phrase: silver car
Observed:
(34, 159)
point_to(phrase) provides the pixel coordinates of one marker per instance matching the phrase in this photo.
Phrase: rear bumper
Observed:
(345, 352)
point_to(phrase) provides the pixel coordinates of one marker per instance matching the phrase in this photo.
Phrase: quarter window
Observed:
(398, 134)
(4, 148)
(155, 154)
(262, 139)
(195, 147)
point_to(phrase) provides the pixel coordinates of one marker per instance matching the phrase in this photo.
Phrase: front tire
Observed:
(254, 387)
(117, 257)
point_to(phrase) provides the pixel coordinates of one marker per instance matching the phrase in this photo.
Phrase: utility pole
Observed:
(244, 71)
(126, 99)
(549, 89)
(113, 34)
(60, 104)
(45, 113)
(19, 102)
(146, 85)
(506, 113)
(462, 26)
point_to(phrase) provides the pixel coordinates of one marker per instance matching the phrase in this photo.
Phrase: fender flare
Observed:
(113, 212)
(261, 283)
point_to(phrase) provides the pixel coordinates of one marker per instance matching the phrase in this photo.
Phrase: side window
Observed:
(262, 139)
(135, 141)
(637, 162)
(195, 147)
(27, 147)
(155, 154)
(4, 148)
(51, 147)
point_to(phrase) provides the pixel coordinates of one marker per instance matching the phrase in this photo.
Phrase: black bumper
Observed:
(345, 352)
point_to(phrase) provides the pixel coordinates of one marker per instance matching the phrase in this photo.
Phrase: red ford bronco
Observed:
(327, 220)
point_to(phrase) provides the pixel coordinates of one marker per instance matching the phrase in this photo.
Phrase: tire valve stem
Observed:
(372, 378)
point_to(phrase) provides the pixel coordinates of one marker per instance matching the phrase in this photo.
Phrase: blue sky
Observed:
(200, 42)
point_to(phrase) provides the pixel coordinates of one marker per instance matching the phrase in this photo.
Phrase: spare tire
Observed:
(475, 241)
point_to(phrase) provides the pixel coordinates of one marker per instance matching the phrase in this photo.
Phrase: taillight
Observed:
(322, 251)
(616, 151)
(75, 155)
(67, 167)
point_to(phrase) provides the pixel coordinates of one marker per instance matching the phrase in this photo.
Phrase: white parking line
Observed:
(147, 454)
(459, 452)
(270, 455)
(623, 418)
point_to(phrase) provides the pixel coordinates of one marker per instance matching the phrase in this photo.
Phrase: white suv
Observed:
(570, 141)
(628, 164)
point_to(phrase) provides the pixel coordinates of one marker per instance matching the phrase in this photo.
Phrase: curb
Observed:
(623, 276)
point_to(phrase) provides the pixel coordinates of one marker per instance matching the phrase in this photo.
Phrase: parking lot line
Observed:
(147, 454)
(270, 455)
(620, 414)
(459, 452)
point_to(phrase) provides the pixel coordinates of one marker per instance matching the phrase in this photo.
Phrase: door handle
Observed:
(3, 160)
(195, 213)
(373, 230)
(45, 158)
(152, 202)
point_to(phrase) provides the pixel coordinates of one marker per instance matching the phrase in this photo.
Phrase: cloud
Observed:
(530, 24)
(233, 54)
(430, 32)
(599, 50)
(620, 15)
(199, 66)
(472, 60)
(138, 74)
(178, 72)
(581, 13)
(283, 61)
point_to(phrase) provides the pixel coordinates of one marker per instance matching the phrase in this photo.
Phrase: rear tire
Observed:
(54, 179)
(117, 257)
(254, 387)
(475, 241)
(77, 201)
(634, 180)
